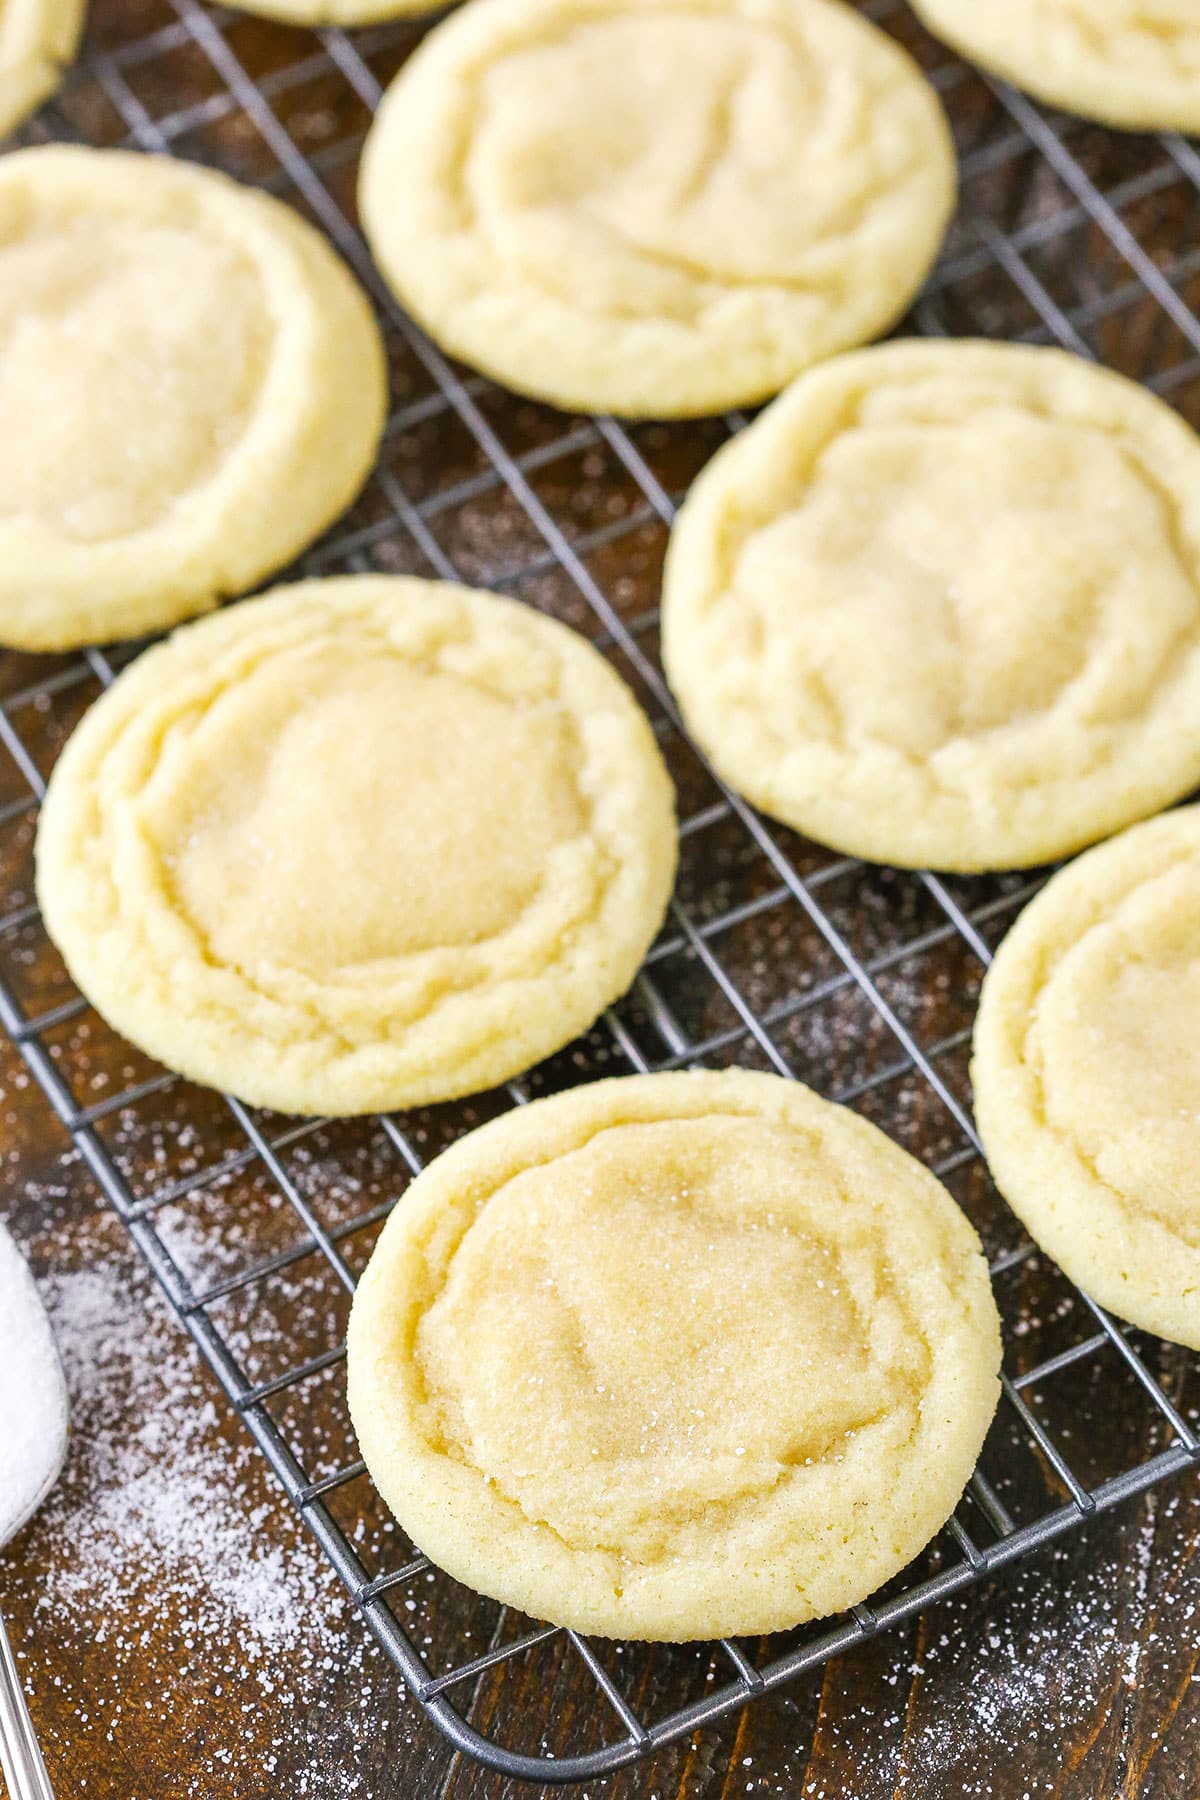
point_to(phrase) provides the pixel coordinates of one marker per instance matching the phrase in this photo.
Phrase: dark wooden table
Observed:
(181, 1634)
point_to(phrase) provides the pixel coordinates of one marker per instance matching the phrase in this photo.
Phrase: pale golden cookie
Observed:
(335, 12)
(1087, 1073)
(1129, 63)
(192, 387)
(940, 606)
(37, 38)
(674, 1357)
(656, 206)
(357, 845)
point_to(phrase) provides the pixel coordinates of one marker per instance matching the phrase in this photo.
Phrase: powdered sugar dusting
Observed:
(165, 1552)
(158, 1500)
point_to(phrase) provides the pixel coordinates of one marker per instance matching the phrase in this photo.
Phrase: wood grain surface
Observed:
(180, 1634)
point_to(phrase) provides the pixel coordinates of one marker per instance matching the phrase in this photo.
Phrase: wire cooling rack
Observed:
(776, 954)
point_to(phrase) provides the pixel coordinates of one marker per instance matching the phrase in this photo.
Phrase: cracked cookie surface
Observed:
(361, 844)
(192, 387)
(940, 606)
(662, 208)
(675, 1356)
(37, 38)
(1087, 1073)
(1130, 63)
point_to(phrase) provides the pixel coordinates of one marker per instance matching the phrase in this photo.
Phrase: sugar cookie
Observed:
(1130, 63)
(360, 844)
(192, 387)
(674, 1357)
(940, 605)
(1087, 1073)
(37, 37)
(656, 206)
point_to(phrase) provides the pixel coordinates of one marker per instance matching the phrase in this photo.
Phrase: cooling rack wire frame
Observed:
(775, 954)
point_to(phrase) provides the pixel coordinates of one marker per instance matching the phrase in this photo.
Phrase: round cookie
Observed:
(335, 12)
(940, 606)
(192, 387)
(1130, 63)
(1087, 1073)
(659, 208)
(360, 844)
(676, 1356)
(37, 37)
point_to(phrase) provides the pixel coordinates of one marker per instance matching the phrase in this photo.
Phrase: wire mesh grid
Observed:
(776, 954)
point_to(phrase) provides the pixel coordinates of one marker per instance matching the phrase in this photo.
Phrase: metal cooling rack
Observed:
(776, 954)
